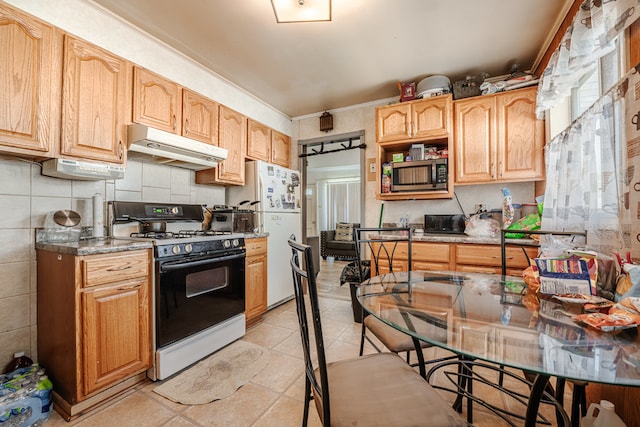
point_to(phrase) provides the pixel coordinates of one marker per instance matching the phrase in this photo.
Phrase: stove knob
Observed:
(175, 249)
(188, 247)
(174, 210)
(227, 244)
(236, 243)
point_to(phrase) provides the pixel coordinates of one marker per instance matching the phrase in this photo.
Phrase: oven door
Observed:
(197, 293)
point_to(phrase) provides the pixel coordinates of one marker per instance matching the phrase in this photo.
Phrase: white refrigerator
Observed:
(278, 190)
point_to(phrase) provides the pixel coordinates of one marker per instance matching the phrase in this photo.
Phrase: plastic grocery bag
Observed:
(482, 227)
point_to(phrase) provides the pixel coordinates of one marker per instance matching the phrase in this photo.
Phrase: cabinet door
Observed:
(156, 101)
(29, 83)
(256, 286)
(393, 122)
(199, 118)
(115, 333)
(430, 117)
(258, 141)
(475, 140)
(93, 102)
(520, 136)
(280, 149)
(233, 137)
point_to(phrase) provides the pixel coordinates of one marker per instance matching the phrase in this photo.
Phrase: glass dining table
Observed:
(493, 318)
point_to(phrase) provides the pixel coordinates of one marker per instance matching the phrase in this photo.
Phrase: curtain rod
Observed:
(344, 147)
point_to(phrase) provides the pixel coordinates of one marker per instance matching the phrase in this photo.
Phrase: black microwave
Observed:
(420, 175)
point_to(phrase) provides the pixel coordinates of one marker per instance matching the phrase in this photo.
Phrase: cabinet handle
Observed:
(124, 267)
(120, 150)
(174, 122)
(186, 126)
(128, 288)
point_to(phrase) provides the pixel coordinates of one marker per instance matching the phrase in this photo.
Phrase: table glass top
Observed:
(494, 318)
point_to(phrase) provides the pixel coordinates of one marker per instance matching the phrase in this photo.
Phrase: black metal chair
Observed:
(384, 246)
(377, 389)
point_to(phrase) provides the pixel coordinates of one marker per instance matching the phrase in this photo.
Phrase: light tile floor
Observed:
(274, 397)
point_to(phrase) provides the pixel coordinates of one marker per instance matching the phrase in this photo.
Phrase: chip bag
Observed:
(528, 222)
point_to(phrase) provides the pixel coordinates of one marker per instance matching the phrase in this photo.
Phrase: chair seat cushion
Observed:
(393, 339)
(382, 390)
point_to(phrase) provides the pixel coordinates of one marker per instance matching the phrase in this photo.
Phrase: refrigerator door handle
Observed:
(263, 202)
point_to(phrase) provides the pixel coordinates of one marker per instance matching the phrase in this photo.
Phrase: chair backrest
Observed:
(383, 245)
(309, 311)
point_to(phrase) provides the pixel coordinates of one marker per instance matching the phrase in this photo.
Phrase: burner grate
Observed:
(154, 235)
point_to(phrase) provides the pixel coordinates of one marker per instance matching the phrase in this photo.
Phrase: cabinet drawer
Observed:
(399, 249)
(256, 246)
(107, 268)
(438, 252)
(478, 255)
(429, 266)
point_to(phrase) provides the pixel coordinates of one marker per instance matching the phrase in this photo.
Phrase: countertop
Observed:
(94, 246)
(255, 235)
(463, 238)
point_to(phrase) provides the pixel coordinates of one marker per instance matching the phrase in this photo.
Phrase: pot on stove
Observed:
(151, 226)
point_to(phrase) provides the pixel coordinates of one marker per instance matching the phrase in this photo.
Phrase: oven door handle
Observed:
(177, 265)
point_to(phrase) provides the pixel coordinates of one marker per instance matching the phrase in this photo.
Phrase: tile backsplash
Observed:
(26, 197)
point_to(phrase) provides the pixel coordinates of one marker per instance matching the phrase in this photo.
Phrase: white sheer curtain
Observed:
(587, 39)
(343, 201)
(582, 191)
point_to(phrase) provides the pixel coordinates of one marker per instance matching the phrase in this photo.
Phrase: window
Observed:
(592, 86)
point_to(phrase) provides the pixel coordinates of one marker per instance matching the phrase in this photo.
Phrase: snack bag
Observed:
(529, 222)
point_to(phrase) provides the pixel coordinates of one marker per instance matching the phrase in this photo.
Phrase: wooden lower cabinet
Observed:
(464, 257)
(255, 279)
(472, 258)
(94, 325)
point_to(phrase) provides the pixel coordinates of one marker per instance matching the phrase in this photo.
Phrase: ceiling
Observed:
(358, 57)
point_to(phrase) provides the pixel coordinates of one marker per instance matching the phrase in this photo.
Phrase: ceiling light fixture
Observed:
(301, 10)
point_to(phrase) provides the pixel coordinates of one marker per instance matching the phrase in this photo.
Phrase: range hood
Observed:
(148, 144)
(81, 170)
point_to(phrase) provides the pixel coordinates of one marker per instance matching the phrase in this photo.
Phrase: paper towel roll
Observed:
(98, 215)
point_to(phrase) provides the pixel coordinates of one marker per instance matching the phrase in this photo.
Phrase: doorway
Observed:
(332, 170)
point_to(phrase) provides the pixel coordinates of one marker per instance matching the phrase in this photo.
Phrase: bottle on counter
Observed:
(507, 208)
(19, 361)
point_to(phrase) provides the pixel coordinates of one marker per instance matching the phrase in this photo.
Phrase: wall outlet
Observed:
(479, 207)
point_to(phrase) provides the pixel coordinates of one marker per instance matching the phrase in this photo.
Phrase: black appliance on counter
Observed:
(199, 280)
(444, 224)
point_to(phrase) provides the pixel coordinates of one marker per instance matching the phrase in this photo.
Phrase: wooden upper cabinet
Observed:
(475, 140)
(156, 101)
(393, 122)
(430, 117)
(258, 141)
(232, 135)
(93, 103)
(199, 117)
(30, 68)
(280, 149)
(520, 137)
(498, 138)
(418, 120)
